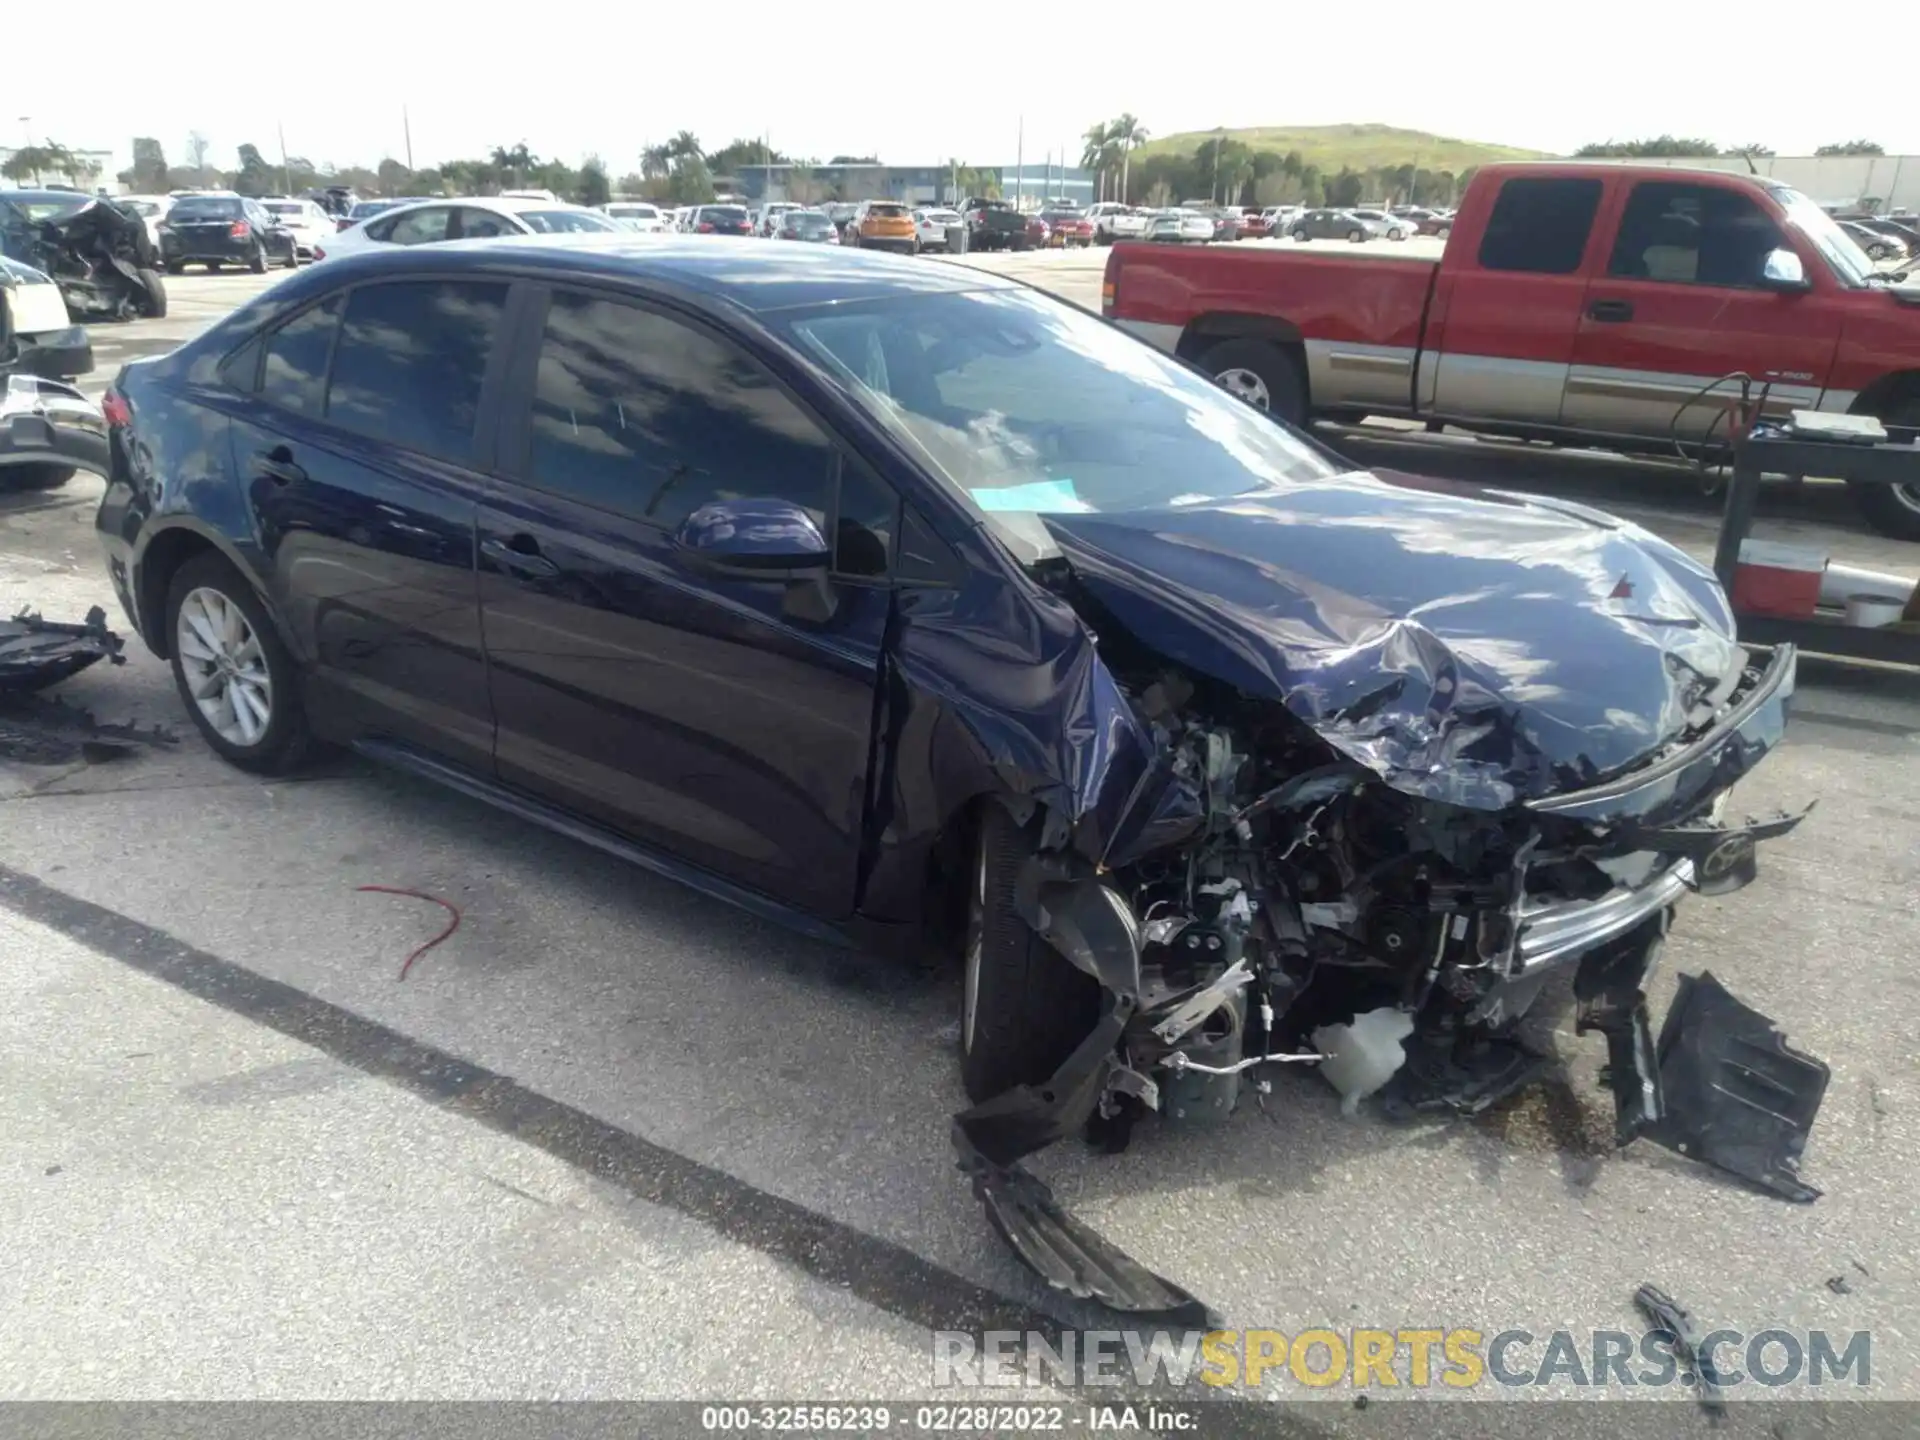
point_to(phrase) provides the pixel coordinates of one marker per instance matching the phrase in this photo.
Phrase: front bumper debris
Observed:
(35, 653)
(50, 423)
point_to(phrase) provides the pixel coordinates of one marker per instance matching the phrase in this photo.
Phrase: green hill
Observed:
(1361, 147)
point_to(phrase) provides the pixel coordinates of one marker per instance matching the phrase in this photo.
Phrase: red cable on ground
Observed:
(446, 905)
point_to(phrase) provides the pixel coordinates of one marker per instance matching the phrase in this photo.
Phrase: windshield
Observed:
(210, 207)
(559, 222)
(806, 220)
(1846, 259)
(1032, 407)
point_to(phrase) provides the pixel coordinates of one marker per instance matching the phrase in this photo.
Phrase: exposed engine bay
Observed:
(1267, 901)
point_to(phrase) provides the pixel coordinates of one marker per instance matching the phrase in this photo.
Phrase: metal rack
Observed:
(1771, 448)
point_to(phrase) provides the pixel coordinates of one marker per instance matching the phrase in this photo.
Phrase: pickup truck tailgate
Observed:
(1365, 313)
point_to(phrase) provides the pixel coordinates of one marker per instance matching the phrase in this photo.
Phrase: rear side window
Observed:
(1540, 227)
(295, 374)
(641, 415)
(410, 361)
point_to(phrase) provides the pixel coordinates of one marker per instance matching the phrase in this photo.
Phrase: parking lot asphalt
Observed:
(610, 1140)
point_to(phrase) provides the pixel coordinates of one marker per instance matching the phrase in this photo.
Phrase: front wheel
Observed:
(1296, 235)
(156, 292)
(1444, 231)
(1893, 509)
(1260, 373)
(237, 680)
(1356, 236)
(1023, 1006)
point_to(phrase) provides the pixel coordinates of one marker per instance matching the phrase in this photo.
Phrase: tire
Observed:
(1023, 1006)
(1299, 235)
(293, 258)
(156, 294)
(915, 250)
(213, 267)
(37, 475)
(282, 742)
(1278, 374)
(1444, 231)
(176, 267)
(1356, 236)
(1893, 509)
(258, 264)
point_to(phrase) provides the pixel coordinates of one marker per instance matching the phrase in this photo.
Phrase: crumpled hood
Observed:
(1472, 647)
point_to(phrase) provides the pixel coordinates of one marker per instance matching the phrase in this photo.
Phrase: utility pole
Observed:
(286, 175)
(406, 130)
(1019, 162)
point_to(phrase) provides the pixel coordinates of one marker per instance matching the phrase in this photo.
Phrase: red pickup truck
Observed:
(1579, 303)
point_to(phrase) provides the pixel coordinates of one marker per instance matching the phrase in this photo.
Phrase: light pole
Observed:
(26, 126)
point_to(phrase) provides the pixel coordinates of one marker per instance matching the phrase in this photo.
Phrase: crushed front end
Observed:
(102, 259)
(1266, 899)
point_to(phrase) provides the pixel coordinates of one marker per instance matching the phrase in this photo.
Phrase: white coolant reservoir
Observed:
(1361, 1056)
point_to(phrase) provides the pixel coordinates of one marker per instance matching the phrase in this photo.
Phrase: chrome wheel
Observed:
(225, 668)
(976, 937)
(1245, 385)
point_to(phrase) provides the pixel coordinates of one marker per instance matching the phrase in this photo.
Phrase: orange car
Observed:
(885, 225)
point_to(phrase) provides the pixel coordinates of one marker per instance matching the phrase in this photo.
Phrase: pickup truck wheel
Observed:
(1893, 509)
(1023, 1006)
(1263, 375)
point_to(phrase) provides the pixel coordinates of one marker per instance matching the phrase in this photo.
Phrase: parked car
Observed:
(995, 225)
(1113, 221)
(1179, 227)
(842, 213)
(307, 221)
(217, 229)
(930, 225)
(1530, 323)
(913, 653)
(640, 215)
(720, 220)
(769, 215)
(814, 226)
(1387, 226)
(1038, 233)
(48, 429)
(1226, 221)
(1877, 244)
(1323, 224)
(1254, 224)
(1068, 228)
(473, 217)
(885, 225)
(96, 253)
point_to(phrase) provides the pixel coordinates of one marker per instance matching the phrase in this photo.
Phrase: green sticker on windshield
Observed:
(1038, 497)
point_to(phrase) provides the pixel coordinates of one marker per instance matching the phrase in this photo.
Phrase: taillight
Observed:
(1108, 292)
(239, 230)
(115, 407)
(704, 227)
(318, 253)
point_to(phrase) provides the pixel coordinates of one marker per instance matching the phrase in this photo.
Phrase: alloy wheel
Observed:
(225, 666)
(1245, 385)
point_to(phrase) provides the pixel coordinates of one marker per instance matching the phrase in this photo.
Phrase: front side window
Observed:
(295, 372)
(639, 414)
(1029, 407)
(478, 224)
(410, 361)
(1845, 258)
(1540, 226)
(561, 222)
(1693, 235)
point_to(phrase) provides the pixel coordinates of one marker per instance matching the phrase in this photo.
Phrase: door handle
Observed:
(1613, 311)
(278, 466)
(521, 555)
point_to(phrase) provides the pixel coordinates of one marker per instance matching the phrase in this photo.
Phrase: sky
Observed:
(919, 83)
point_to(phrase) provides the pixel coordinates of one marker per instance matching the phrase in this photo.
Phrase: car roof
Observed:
(756, 279)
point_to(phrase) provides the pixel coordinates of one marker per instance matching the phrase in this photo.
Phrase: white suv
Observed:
(1113, 221)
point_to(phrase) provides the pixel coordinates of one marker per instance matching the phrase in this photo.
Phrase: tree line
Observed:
(1682, 147)
(1224, 171)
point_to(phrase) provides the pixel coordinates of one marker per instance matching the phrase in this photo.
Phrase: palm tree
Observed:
(685, 146)
(654, 162)
(1097, 155)
(1127, 132)
(517, 162)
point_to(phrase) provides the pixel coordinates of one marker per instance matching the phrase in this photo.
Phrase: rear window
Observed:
(727, 214)
(213, 207)
(1540, 226)
(409, 361)
(284, 207)
(889, 212)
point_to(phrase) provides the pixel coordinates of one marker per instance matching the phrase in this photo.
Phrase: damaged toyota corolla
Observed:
(864, 592)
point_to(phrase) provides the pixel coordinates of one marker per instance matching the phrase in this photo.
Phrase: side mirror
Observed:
(1783, 271)
(763, 539)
